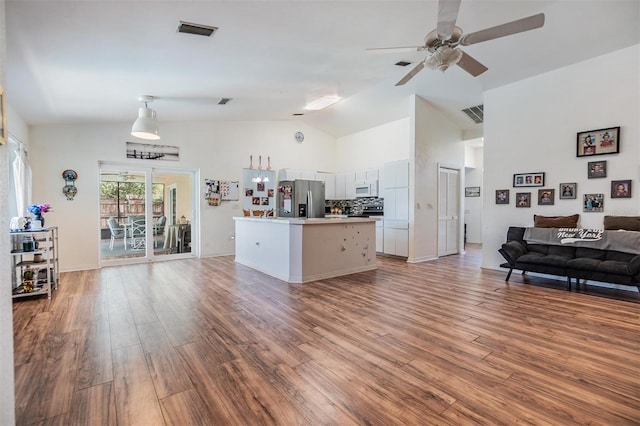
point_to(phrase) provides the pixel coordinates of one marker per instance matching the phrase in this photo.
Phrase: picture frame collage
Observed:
(588, 143)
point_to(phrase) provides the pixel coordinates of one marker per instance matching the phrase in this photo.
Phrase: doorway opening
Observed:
(146, 214)
(448, 211)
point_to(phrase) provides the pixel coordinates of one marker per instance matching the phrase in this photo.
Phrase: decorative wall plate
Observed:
(69, 175)
(70, 191)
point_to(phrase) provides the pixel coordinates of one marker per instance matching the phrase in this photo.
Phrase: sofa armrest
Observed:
(512, 250)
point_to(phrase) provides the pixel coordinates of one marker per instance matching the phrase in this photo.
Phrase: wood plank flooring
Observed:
(210, 342)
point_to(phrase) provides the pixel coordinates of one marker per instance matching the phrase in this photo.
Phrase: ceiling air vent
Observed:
(223, 101)
(475, 113)
(402, 63)
(197, 29)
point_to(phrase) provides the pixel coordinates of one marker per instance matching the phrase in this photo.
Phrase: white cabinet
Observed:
(396, 238)
(307, 174)
(361, 176)
(396, 208)
(329, 180)
(380, 236)
(289, 174)
(372, 175)
(350, 186)
(396, 174)
(340, 187)
(345, 186)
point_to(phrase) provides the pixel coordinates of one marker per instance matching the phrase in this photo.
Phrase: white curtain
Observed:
(19, 178)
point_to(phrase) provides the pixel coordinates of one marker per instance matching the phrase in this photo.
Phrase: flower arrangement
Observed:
(38, 209)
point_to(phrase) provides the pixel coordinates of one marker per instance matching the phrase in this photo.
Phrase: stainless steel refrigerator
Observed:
(301, 198)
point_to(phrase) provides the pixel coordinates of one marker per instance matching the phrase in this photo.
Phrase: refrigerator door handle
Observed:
(309, 204)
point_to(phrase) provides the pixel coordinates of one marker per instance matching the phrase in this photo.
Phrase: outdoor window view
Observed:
(124, 224)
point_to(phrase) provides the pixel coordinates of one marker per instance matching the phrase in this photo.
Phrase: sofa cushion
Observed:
(564, 251)
(540, 259)
(590, 253)
(615, 267)
(628, 223)
(538, 248)
(556, 221)
(584, 264)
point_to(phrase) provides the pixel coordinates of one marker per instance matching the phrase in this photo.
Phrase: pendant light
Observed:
(146, 125)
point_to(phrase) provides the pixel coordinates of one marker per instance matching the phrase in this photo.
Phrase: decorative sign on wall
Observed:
(217, 190)
(147, 151)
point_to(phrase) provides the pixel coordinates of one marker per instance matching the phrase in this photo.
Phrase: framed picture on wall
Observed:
(472, 191)
(528, 179)
(596, 169)
(523, 199)
(568, 191)
(546, 197)
(593, 202)
(598, 142)
(621, 188)
(502, 196)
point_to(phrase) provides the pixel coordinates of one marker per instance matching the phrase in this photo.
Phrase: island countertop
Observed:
(308, 221)
(300, 250)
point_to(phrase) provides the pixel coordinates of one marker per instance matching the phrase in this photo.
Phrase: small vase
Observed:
(40, 218)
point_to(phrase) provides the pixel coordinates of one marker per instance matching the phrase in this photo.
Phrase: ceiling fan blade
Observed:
(470, 65)
(411, 74)
(447, 15)
(514, 27)
(377, 50)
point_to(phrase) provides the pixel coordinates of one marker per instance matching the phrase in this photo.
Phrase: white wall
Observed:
(218, 150)
(531, 126)
(435, 141)
(373, 147)
(473, 205)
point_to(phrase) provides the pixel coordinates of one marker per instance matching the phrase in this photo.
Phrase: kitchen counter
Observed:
(300, 250)
(309, 221)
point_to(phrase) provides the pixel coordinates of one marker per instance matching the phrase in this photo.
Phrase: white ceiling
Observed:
(88, 60)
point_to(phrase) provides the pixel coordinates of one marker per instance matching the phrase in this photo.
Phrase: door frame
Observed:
(460, 210)
(148, 171)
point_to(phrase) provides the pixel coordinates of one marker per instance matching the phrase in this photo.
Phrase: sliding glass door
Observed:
(146, 213)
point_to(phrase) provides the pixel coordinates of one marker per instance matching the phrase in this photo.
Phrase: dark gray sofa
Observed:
(568, 261)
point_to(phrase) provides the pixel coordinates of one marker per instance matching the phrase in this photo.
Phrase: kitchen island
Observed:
(303, 250)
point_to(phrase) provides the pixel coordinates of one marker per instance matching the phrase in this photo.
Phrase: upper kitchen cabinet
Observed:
(350, 186)
(329, 180)
(366, 176)
(289, 174)
(340, 186)
(396, 174)
(293, 174)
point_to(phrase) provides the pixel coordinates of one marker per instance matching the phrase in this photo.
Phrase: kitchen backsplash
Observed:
(354, 207)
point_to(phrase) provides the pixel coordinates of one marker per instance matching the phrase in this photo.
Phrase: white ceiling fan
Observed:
(442, 43)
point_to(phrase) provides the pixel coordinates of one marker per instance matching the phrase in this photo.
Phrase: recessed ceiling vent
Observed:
(197, 29)
(475, 113)
(402, 63)
(223, 101)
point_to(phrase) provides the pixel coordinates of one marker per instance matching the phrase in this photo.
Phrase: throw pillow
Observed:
(628, 223)
(556, 221)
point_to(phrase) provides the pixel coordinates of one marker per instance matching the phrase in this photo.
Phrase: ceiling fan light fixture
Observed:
(146, 125)
(322, 103)
(443, 58)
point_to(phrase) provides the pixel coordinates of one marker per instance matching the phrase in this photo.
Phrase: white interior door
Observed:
(448, 211)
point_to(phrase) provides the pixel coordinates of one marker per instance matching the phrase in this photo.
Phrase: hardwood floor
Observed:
(210, 342)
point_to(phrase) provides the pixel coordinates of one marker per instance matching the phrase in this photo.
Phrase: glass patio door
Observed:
(135, 222)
